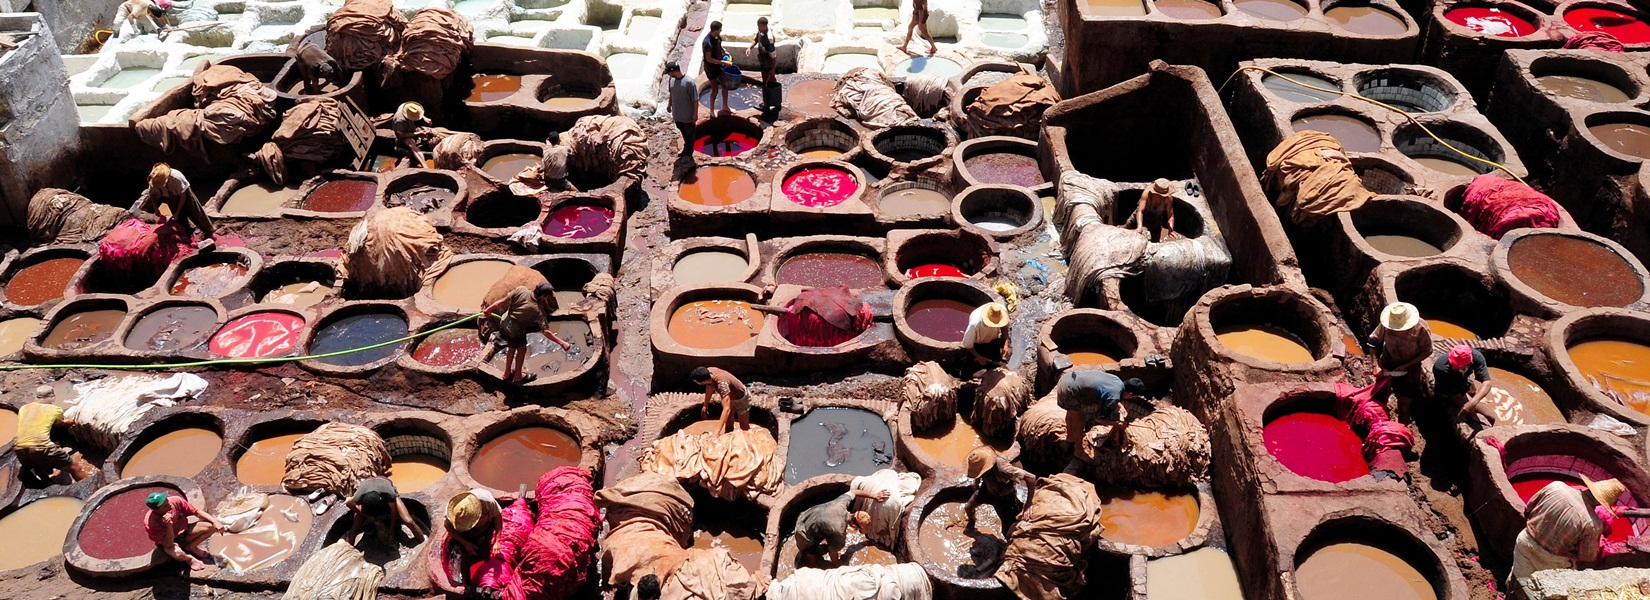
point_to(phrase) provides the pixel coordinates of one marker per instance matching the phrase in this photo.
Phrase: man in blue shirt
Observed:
(1091, 397)
(684, 104)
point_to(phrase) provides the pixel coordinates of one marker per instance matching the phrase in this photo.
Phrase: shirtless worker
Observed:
(518, 312)
(168, 522)
(720, 383)
(919, 18)
(316, 67)
(997, 482)
(1155, 213)
(823, 529)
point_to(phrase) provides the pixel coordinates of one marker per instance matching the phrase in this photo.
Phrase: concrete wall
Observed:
(39, 128)
(73, 22)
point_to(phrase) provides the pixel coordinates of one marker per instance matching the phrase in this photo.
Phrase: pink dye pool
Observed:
(1316, 445)
(578, 221)
(934, 270)
(820, 187)
(732, 143)
(259, 335)
(1627, 28)
(1490, 21)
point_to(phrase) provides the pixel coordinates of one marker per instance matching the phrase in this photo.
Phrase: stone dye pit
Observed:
(358, 331)
(183, 452)
(838, 440)
(968, 546)
(1354, 570)
(262, 334)
(172, 329)
(1575, 271)
(714, 324)
(518, 457)
(42, 282)
(280, 529)
(46, 522)
(264, 461)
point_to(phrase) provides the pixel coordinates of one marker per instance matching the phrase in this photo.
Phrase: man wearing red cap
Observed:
(1462, 377)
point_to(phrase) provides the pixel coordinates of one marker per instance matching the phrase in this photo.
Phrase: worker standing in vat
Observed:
(1094, 398)
(683, 105)
(823, 529)
(919, 18)
(1155, 212)
(37, 453)
(722, 384)
(1463, 377)
(1401, 342)
(316, 67)
(409, 127)
(169, 190)
(143, 16)
(1563, 525)
(377, 503)
(716, 59)
(984, 335)
(168, 521)
(763, 47)
(513, 314)
(997, 482)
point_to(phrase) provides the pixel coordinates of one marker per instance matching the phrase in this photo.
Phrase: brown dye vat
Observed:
(1350, 571)
(1402, 245)
(424, 199)
(15, 332)
(44, 281)
(743, 543)
(950, 544)
(302, 294)
(258, 199)
(1115, 8)
(1147, 518)
(566, 102)
(1538, 406)
(83, 329)
(180, 453)
(1574, 271)
(520, 456)
(1446, 166)
(1447, 330)
(489, 87)
(1265, 342)
(449, 347)
(913, 201)
(1616, 367)
(1006, 168)
(708, 266)
(1188, 9)
(1089, 357)
(832, 439)
(8, 426)
(505, 166)
(941, 319)
(115, 528)
(265, 460)
(1630, 139)
(1206, 574)
(812, 98)
(546, 358)
(856, 550)
(417, 472)
(45, 523)
(718, 185)
(1581, 88)
(1353, 133)
(464, 285)
(172, 328)
(279, 531)
(821, 152)
(208, 280)
(1367, 20)
(341, 195)
(950, 444)
(1271, 10)
(714, 324)
(828, 269)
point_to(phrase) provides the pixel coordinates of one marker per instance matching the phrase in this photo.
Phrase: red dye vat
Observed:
(934, 270)
(449, 348)
(1627, 28)
(1527, 484)
(820, 187)
(1490, 21)
(259, 335)
(577, 221)
(732, 143)
(114, 530)
(341, 195)
(1316, 445)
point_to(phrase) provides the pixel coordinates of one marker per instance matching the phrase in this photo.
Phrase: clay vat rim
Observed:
(1563, 334)
(921, 289)
(803, 126)
(1410, 208)
(927, 465)
(589, 364)
(973, 147)
(405, 360)
(900, 239)
(462, 208)
(1340, 81)
(349, 309)
(1411, 26)
(1207, 515)
(926, 181)
(1363, 162)
(1421, 79)
(756, 202)
(1622, 8)
(257, 431)
(793, 499)
(68, 308)
(491, 426)
(1542, 20)
(429, 290)
(1136, 337)
(1475, 139)
(1621, 116)
(1203, 321)
(664, 307)
(1320, 110)
(1503, 270)
(871, 249)
(1501, 482)
(947, 142)
(1365, 529)
(175, 420)
(294, 205)
(731, 123)
(253, 262)
(917, 513)
(802, 164)
(1492, 289)
(307, 315)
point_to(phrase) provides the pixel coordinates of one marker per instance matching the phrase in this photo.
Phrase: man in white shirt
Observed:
(984, 336)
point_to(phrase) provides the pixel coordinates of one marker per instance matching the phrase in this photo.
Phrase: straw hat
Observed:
(410, 111)
(1400, 316)
(980, 461)
(159, 174)
(1606, 492)
(1162, 187)
(464, 511)
(996, 315)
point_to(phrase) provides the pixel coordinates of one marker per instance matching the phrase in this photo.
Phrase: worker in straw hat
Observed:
(471, 518)
(1563, 526)
(170, 199)
(410, 130)
(985, 334)
(1155, 212)
(1400, 343)
(997, 482)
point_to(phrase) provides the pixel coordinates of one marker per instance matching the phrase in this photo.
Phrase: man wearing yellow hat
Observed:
(997, 482)
(408, 125)
(1402, 342)
(984, 335)
(1562, 526)
(471, 518)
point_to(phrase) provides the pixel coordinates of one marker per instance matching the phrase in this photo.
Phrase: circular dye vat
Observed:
(259, 335)
(1005, 168)
(1115, 8)
(45, 523)
(1367, 20)
(417, 472)
(822, 152)
(714, 324)
(828, 440)
(812, 98)
(1265, 342)
(578, 221)
(820, 187)
(1447, 330)
(546, 359)
(950, 443)
(502, 209)
(1188, 9)
(717, 185)
(828, 269)
(1352, 571)
(449, 348)
(521, 456)
(934, 270)
(1402, 245)
(951, 545)
(180, 453)
(856, 550)
(425, 198)
(1085, 355)
(744, 544)
(709, 266)
(465, 284)
(1627, 28)
(257, 199)
(358, 331)
(280, 529)
(172, 329)
(732, 143)
(1574, 271)
(1271, 10)
(209, 280)
(1147, 518)
(490, 87)
(842, 62)
(1447, 166)
(1581, 88)
(1353, 133)
(341, 195)
(301, 294)
(83, 329)
(914, 201)
(941, 319)
(1526, 484)
(1206, 573)
(264, 462)
(1317, 446)
(504, 167)
(15, 332)
(1627, 139)
(8, 426)
(1616, 365)
(1490, 21)
(115, 529)
(1295, 92)
(1538, 406)
(43, 281)
(935, 66)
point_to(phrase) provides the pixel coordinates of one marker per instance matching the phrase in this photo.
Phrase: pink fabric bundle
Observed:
(562, 546)
(1495, 206)
(824, 317)
(135, 250)
(499, 570)
(1385, 440)
(1594, 40)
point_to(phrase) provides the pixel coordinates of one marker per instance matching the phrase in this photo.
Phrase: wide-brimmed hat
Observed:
(410, 111)
(464, 512)
(1606, 491)
(995, 315)
(1162, 187)
(1400, 316)
(980, 461)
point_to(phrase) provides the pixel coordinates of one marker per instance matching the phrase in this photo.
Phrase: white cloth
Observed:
(978, 332)
(887, 517)
(104, 410)
(1529, 557)
(904, 581)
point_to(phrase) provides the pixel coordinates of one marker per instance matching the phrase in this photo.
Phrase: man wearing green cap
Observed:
(168, 522)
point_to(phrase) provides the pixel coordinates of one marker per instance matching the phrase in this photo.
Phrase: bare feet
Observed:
(932, 49)
(902, 49)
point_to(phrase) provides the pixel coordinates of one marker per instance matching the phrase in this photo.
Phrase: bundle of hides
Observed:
(1385, 440)
(1183, 267)
(334, 458)
(1312, 178)
(607, 145)
(59, 216)
(732, 465)
(1044, 559)
(136, 252)
(434, 42)
(998, 402)
(904, 581)
(1042, 433)
(362, 32)
(868, 96)
(824, 317)
(597, 293)
(926, 94)
(105, 409)
(1165, 447)
(1495, 206)
(336, 572)
(887, 516)
(232, 105)
(312, 131)
(498, 571)
(930, 395)
(651, 520)
(1594, 40)
(457, 151)
(1095, 251)
(393, 253)
(710, 574)
(562, 546)
(1013, 106)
